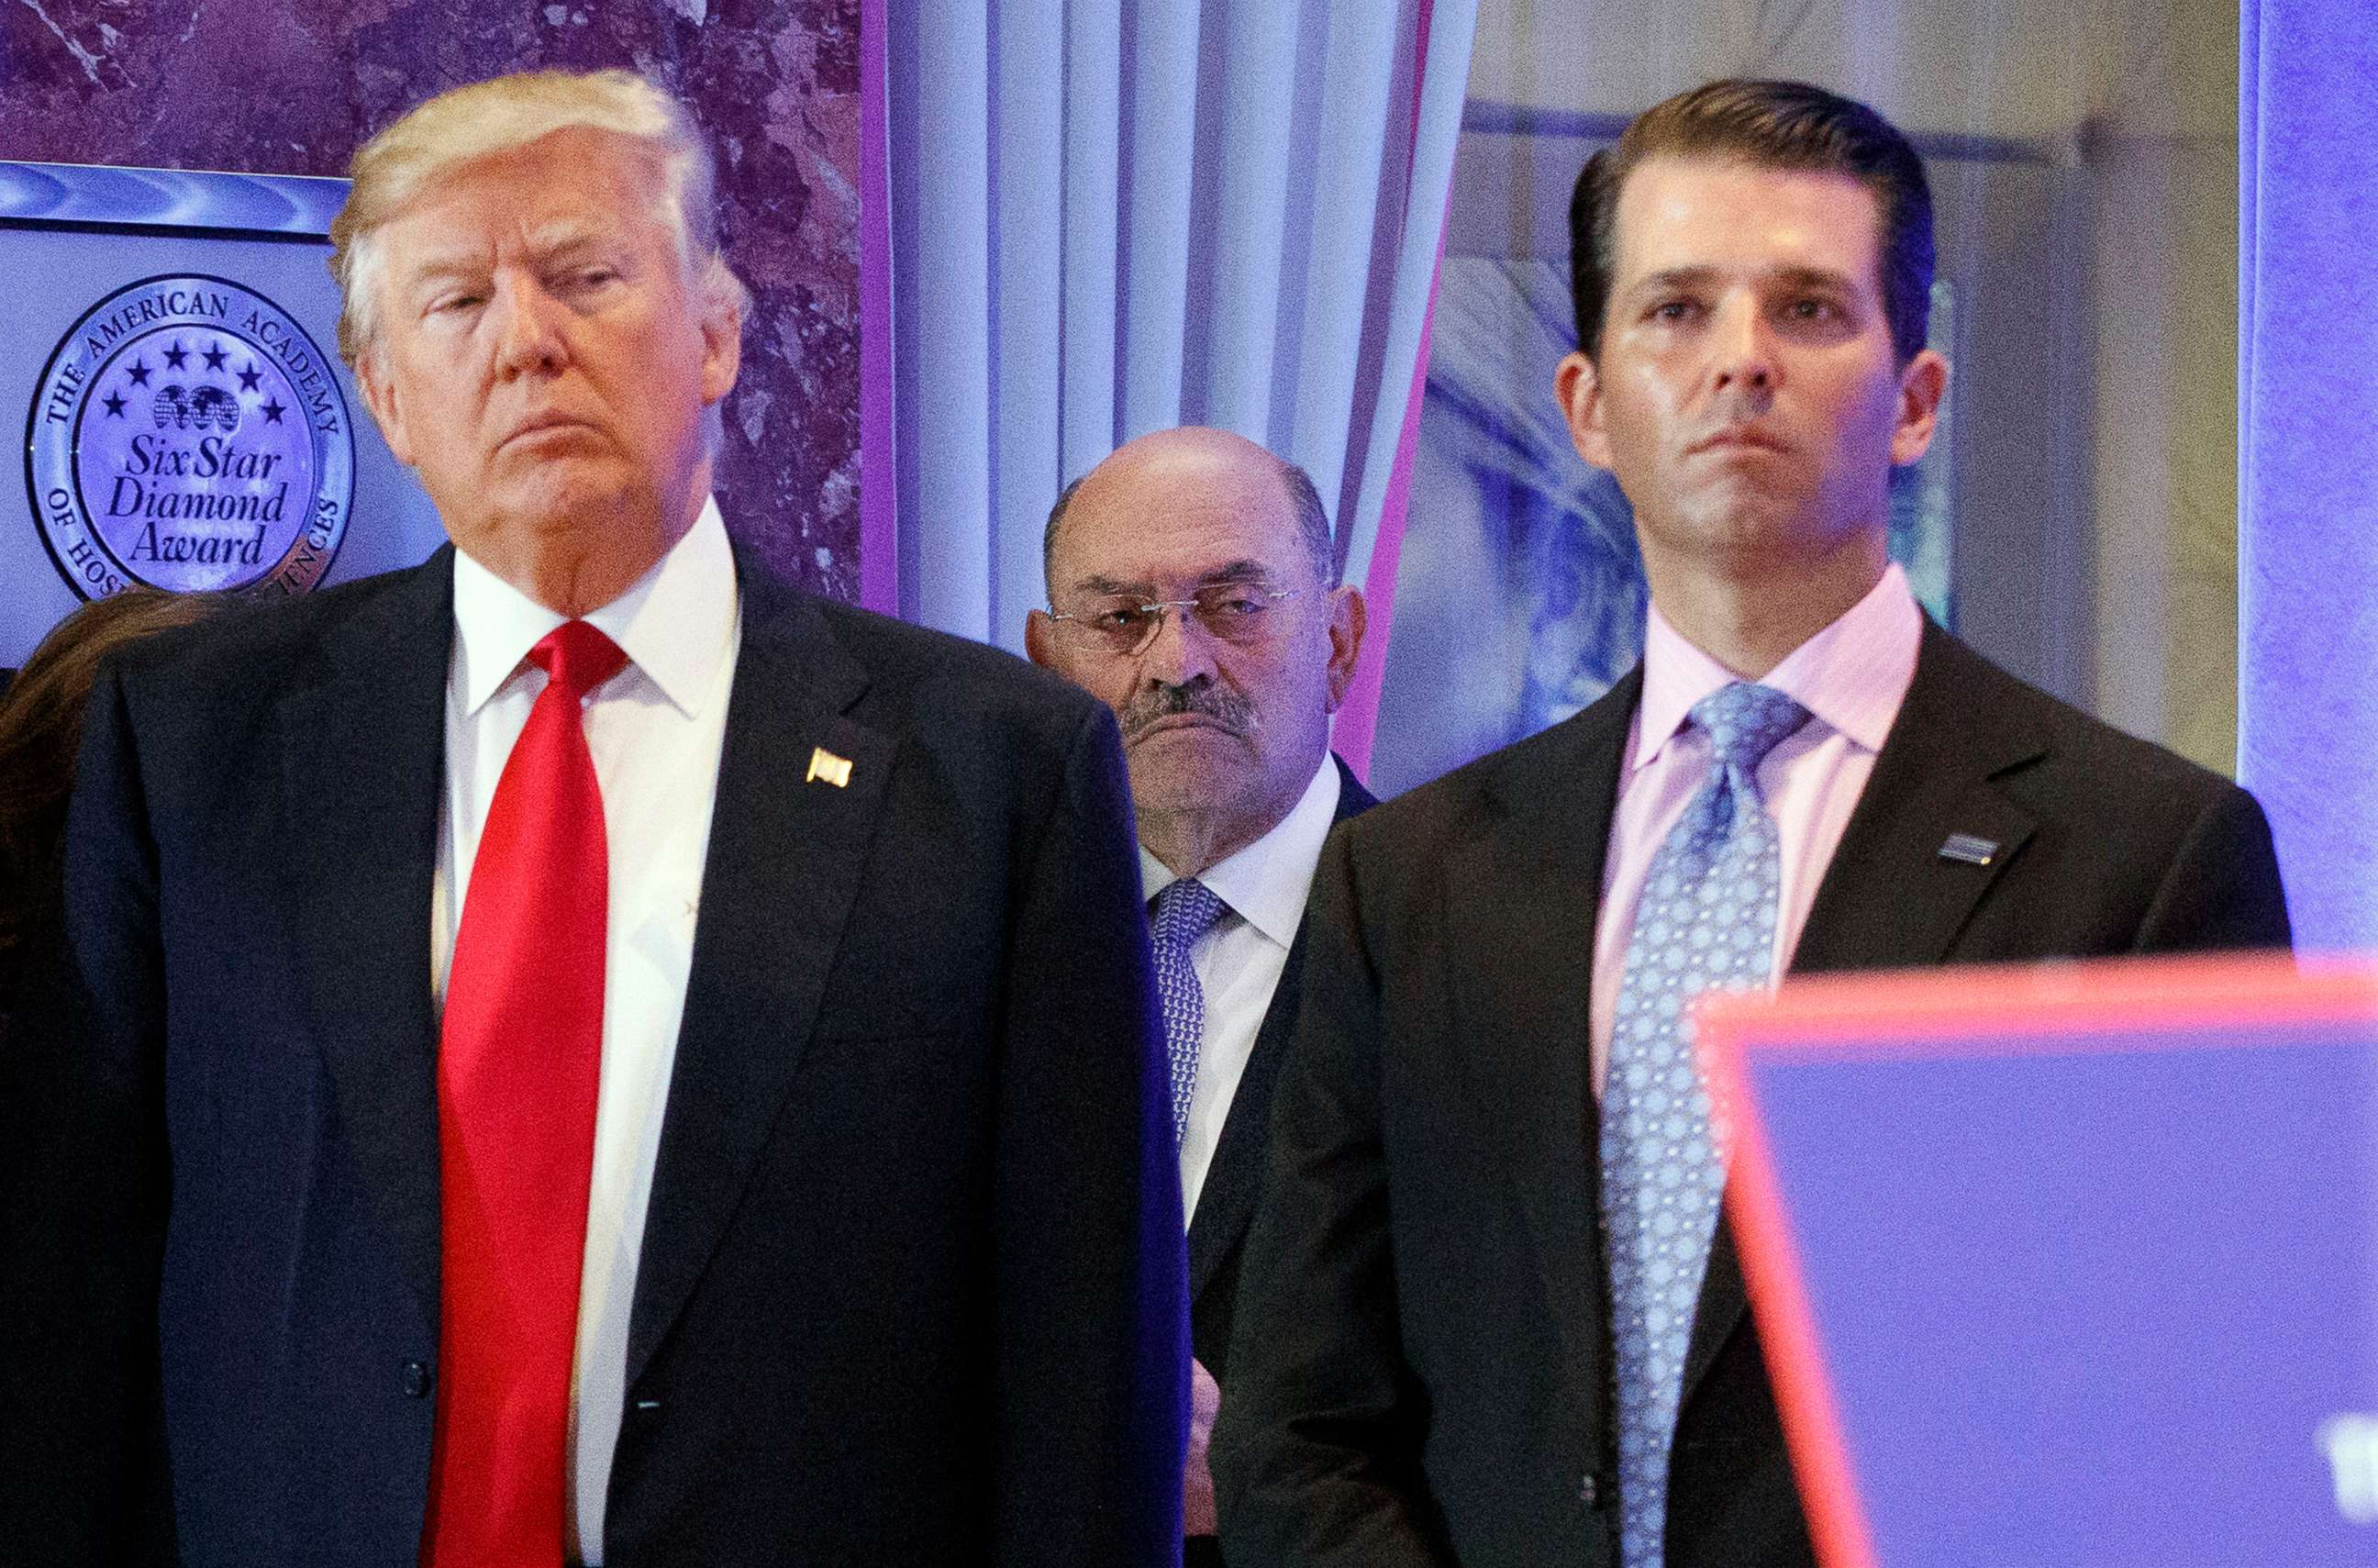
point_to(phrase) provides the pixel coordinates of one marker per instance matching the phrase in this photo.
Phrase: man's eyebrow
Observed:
(557, 242)
(563, 239)
(1099, 583)
(1813, 277)
(422, 266)
(1701, 277)
(1669, 278)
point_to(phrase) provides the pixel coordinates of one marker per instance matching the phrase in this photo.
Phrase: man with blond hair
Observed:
(579, 1052)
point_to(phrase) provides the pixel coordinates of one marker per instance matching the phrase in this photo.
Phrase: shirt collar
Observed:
(1852, 676)
(1266, 883)
(675, 623)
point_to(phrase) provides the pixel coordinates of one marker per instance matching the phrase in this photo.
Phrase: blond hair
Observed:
(391, 169)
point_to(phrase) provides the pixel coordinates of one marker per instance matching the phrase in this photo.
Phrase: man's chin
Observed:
(564, 482)
(1178, 770)
(556, 499)
(1749, 519)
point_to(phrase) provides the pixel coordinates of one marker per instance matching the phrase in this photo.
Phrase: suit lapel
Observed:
(362, 765)
(781, 875)
(1521, 900)
(1225, 1202)
(1889, 900)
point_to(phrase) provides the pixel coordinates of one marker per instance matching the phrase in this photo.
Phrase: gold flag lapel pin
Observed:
(824, 764)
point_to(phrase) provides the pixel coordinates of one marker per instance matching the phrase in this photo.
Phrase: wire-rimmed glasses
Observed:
(1124, 625)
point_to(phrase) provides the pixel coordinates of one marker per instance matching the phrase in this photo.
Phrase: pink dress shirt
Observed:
(1851, 677)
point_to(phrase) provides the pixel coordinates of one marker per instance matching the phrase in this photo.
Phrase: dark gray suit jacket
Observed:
(1226, 1203)
(910, 1285)
(1421, 1368)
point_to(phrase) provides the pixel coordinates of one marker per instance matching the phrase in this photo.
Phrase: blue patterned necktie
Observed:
(1706, 920)
(1186, 911)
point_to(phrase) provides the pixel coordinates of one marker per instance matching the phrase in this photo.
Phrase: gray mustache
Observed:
(1217, 703)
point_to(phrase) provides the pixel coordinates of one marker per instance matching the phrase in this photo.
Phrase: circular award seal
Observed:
(188, 434)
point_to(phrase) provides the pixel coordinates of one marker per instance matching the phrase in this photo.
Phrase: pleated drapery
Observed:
(1111, 217)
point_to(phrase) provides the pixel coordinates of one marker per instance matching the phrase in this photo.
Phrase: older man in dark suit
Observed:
(1194, 589)
(1489, 1313)
(579, 1052)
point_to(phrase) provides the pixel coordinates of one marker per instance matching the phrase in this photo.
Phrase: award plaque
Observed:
(170, 359)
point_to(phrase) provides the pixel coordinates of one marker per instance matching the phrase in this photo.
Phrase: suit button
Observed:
(1589, 1493)
(417, 1379)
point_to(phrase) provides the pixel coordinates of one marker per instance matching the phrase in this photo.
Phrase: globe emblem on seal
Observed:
(188, 434)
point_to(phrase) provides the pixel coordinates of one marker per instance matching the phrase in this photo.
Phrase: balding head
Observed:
(1185, 447)
(1193, 590)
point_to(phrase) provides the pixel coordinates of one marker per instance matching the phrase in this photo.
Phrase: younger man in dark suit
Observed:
(1489, 1314)
(1196, 592)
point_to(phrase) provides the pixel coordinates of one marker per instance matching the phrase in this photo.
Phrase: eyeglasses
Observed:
(1124, 625)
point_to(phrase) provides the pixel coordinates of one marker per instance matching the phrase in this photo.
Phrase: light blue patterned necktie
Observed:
(1186, 911)
(1706, 920)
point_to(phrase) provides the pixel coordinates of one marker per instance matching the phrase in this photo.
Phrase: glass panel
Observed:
(2075, 518)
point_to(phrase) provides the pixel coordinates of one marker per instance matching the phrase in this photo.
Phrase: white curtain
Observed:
(1111, 217)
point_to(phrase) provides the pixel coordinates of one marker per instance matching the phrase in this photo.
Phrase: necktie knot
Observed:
(1186, 911)
(1745, 721)
(578, 656)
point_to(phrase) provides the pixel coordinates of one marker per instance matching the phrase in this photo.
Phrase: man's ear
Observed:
(387, 408)
(1348, 616)
(1921, 387)
(1041, 639)
(1578, 384)
(722, 348)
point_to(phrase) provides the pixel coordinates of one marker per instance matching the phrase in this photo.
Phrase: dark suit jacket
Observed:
(1225, 1202)
(910, 1288)
(1422, 1362)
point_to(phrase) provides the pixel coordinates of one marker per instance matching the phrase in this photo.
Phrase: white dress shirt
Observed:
(1239, 961)
(655, 730)
(1851, 677)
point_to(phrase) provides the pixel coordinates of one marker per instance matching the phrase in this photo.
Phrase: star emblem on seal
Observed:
(146, 461)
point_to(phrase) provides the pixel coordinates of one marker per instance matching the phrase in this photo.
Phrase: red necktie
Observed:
(519, 1065)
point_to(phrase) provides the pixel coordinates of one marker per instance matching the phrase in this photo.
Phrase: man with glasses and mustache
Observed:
(1194, 589)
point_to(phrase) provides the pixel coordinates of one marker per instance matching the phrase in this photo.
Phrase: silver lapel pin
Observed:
(1971, 851)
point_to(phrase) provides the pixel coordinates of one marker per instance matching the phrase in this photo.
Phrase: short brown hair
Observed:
(41, 732)
(1772, 125)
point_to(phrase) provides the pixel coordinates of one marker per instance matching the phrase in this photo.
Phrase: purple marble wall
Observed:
(292, 86)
